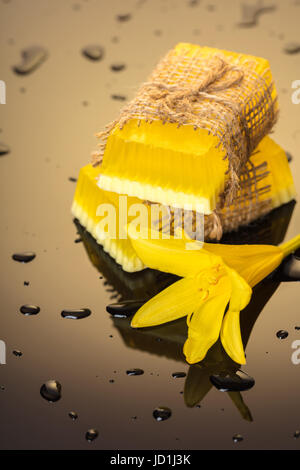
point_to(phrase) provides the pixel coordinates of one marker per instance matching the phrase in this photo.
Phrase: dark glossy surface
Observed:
(49, 123)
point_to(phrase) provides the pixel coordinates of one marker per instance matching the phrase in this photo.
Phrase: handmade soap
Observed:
(267, 184)
(275, 188)
(186, 137)
(88, 197)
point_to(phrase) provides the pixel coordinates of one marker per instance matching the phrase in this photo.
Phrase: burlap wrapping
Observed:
(250, 203)
(228, 99)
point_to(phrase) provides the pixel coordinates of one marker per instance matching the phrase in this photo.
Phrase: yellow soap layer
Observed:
(88, 196)
(142, 161)
(163, 163)
(279, 177)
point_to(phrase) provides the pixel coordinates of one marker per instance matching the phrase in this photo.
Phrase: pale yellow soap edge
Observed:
(148, 192)
(110, 246)
(283, 196)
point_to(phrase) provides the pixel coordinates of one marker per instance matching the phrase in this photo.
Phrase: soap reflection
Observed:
(167, 340)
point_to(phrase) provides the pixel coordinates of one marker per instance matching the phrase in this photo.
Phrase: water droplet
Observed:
(117, 67)
(76, 314)
(118, 97)
(251, 13)
(73, 415)
(234, 382)
(237, 438)
(51, 391)
(134, 372)
(210, 8)
(30, 310)
(91, 435)
(25, 257)
(32, 58)
(123, 18)
(282, 334)
(297, 254)
(162, 413)
(17, 352)
(290, 268)
(292, 48)
(297, 434)
(178, 375)
(4, 149)
(93, 52)
(124, 309)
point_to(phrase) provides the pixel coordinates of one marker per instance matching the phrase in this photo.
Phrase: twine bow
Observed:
(176, 102)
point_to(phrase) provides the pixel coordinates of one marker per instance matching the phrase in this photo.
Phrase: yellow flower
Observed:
(214, 277)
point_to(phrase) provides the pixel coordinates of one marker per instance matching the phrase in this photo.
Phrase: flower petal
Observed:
(264, 259)
(176, 301)
(231, 331)
(205, 323)
(171, 255)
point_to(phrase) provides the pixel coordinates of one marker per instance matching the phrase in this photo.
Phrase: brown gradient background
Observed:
(51, 135)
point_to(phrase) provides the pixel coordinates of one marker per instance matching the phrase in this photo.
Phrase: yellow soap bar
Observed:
(279, 177)
(171, 165)
(89, 196)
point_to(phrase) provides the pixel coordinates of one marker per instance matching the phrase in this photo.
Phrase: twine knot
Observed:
(176, 102)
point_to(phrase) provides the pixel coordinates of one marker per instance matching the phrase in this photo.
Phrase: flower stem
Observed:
(291, 245)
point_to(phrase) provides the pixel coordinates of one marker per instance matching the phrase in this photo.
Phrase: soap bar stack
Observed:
(194, 138)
